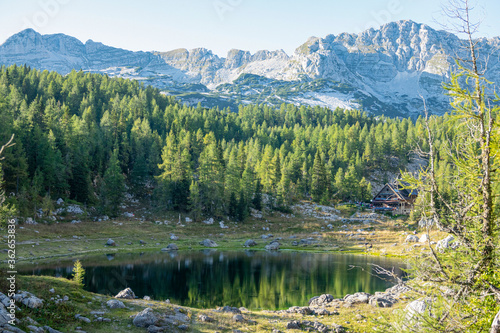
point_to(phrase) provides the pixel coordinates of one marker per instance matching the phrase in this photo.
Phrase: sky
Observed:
(221, 25)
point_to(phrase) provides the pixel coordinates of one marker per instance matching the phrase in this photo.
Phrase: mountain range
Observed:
(386, 71)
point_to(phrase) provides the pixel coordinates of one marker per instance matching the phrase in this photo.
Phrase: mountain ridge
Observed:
(383, 71)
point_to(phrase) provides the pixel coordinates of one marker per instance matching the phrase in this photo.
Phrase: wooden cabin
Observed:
(394, 198)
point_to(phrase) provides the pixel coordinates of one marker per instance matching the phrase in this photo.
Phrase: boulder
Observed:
(208, 243)
(115, 304)
(82, 318)
(205, 319)
(444, 243)
(51, 330)
(126, 293)
(28, 299)
(382, 301)
(110, 242)
(145, 318)
(411, 239)
(293, 325)
(415, 308)
(174, 237)
(357, 298)
(274, 246)
(250, 243)
(229, 309)
(308, 241)
(238, 318)
(322, 300)
(170, 247)
(424, 238)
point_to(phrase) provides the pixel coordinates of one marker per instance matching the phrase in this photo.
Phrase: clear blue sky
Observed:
(220, 25)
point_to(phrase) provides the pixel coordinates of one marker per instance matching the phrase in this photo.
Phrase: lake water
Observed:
(253, 279)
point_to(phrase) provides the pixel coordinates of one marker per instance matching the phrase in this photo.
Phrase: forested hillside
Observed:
(91, 138)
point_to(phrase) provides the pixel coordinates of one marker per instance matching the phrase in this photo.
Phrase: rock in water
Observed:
(126, 293)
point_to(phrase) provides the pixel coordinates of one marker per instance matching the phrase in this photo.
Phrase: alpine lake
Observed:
(209, 278)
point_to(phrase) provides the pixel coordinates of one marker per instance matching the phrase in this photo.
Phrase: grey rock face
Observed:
(392, 65)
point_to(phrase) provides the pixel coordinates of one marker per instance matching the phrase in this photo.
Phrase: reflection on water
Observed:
(255, 280)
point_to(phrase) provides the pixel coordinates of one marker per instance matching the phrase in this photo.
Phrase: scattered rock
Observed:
(187, 219)
(411, 239)
(208, 243)
(126, 293)
(444, 243)
(293, 325)
(308, 241)
(357, 298)
(60, 201)
(28, 299)
(146, 298)
(321, 301)
(145, 318)
(174, 237)
(51, 330)
(424, 238)
(250, 243)
(115, 304)
(82, 318)
(229, 309)
(415, 308)
(170, 247)
(110, 242)
(238, 318)
(274, 246)
(205, 319)
(209, 221)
